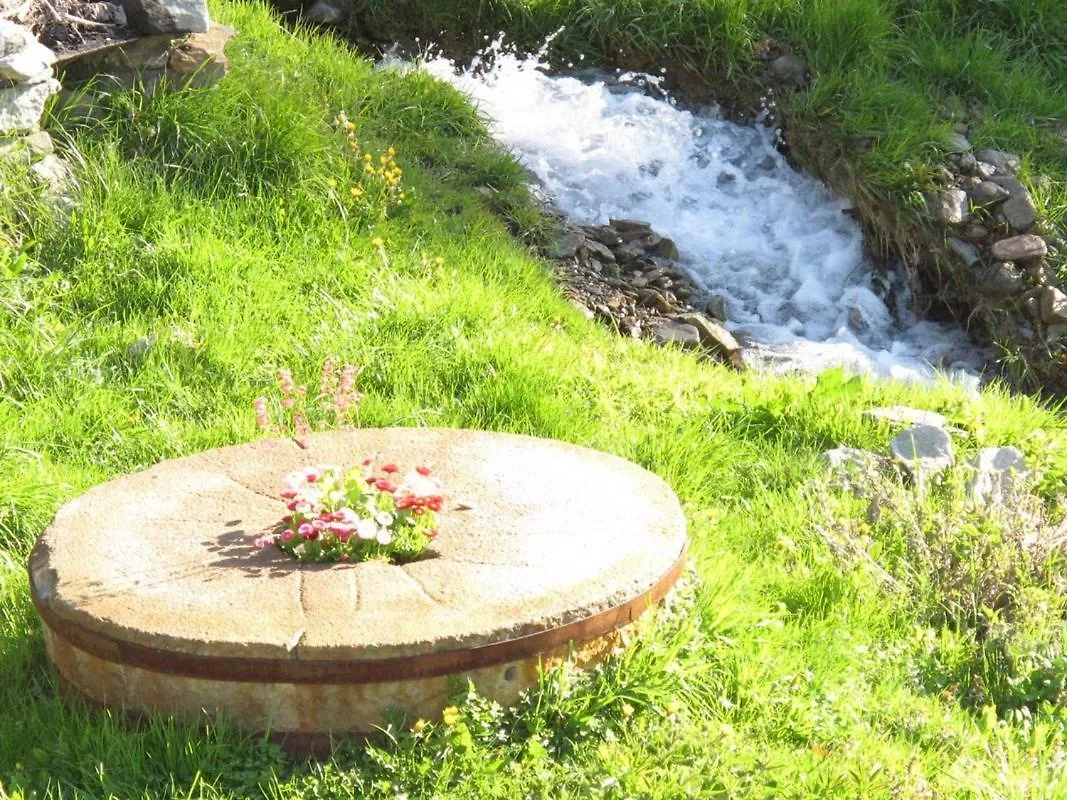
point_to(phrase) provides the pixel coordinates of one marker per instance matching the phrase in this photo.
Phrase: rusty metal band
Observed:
(381, 670)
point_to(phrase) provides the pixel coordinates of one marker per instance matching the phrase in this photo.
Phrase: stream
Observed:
(773, 242)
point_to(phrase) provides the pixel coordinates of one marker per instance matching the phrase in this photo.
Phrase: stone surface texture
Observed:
(167, 16)
(21, 105)
(923, 450)
(523, 549)
(997, 471)
(22, 57)
(1020, 248)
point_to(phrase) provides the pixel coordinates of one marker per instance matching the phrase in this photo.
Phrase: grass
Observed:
(890, 80)
(209, 227)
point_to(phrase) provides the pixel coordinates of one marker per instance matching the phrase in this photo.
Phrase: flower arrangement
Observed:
(358, 514)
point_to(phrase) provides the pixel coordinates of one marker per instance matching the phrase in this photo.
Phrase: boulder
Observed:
(22, 57)
(923, 450)
(1020, 248)
(1000, 279)
(997, 472)
(21, 105)
(716, 308)
(167, 16)
(565, 246)
(950, 206)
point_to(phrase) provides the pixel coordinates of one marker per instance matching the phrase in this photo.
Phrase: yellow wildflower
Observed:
(377, 241)
(366, 156)
(438, 261)
(420, 725)
(331, 183)
(355, 191)
(391, 152)
(450, 716)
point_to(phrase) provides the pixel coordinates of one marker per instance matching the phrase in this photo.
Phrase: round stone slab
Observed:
(154, 599)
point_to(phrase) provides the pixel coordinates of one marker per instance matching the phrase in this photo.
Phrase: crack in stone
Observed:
(422, 588)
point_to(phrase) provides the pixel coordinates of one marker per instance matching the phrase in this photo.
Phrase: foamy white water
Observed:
(774, 242)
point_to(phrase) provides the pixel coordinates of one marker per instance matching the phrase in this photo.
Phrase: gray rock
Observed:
(1005, 163)
(1052, 306)
(1013, 185)
(1020, 212)
(716, 308)
(949, 206)
(21, 106)
(629, 252)
(565, 246)
(139, 348)
(631, 226)
(789, 69)
(967, 163)
(998, 472)
(670, 332)
(957, 143)
(325, 12)
(599, 251)
(966, 252)
(167, 16)
(667, 248)
(54, 173)
(983, 170)
(975, 232)
(22, 57)
(714, 337)
(40, 143)
(987, 193)
(1056, 333)
(923, 450)
(904, 415)
(1020, 248)
(1000, 279)
(200, 59)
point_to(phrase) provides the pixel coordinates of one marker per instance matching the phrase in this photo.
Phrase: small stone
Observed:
(669, 332)
(1056, 333)
(923, 450)
(583, 309)
(1037, 274)
(1020, 248)
(967, 253)
(949, 206)
(325, 12)
(983, 170)
(1000, 279)
(968, 163)
(957, 143)
(630, 226)
(904, 415)
(1052, 305)
(40, 143)
(629, 253)
(1020, 212)
(655, 300)
(986, 193)
(1012, 184)
(1005, 163)
(975, 232)
(789, 69)
(715, 338)
(997, 473)
(22, 57)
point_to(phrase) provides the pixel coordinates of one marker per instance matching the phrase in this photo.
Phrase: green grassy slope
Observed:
(218, 223)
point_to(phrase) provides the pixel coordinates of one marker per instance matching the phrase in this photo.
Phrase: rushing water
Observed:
(772, 241)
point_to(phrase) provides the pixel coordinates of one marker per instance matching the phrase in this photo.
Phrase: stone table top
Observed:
(535, 534)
